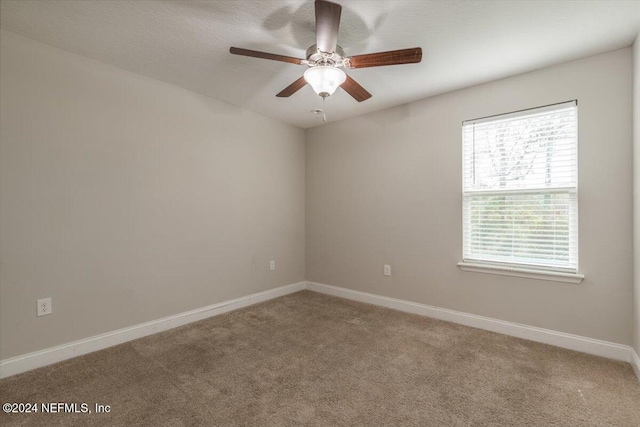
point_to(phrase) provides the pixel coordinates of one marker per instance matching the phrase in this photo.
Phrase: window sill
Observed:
(521, 272)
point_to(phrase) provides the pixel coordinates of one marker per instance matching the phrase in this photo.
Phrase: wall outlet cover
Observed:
(44, 307)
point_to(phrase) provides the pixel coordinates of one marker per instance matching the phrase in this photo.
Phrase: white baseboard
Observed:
(546, 336)
(37, 359)
(635, 362)
(48, 356)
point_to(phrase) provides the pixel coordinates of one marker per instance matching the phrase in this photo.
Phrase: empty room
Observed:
(320, 213)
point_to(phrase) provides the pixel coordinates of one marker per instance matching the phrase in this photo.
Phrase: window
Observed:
(520, 206)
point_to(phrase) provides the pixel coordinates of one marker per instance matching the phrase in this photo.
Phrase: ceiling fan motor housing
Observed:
(317, 57)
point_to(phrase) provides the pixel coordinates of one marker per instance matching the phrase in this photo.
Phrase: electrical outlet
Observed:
(44, 307)
(272, 265)
(387, 270)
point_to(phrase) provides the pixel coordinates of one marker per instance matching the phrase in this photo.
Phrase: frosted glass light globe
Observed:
(324, 79)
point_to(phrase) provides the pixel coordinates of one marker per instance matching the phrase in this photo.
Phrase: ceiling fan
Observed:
(326, 59)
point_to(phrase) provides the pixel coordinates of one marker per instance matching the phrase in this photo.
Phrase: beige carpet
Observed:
(311, 359)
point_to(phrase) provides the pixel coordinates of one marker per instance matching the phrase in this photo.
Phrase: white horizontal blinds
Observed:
(520, 182)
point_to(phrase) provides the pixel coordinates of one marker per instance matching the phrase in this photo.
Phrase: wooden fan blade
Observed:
(292, 88)
(327, 25)
(392, 57)
(354, 89)
(264, 55)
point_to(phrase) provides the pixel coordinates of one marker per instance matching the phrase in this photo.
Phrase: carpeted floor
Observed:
(311, 359)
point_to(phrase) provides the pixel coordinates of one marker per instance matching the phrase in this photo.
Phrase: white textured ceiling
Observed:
(186, 43)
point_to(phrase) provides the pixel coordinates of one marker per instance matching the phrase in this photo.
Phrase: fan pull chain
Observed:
(320, 111)
(324, 116)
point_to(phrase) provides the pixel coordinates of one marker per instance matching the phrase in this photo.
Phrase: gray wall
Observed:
(385, 188)
(636, 195)
(126, 199)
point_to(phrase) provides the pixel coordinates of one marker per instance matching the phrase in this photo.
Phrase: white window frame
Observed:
(520, 269)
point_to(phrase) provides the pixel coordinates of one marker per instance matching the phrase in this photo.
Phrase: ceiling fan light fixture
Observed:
(324, 79)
